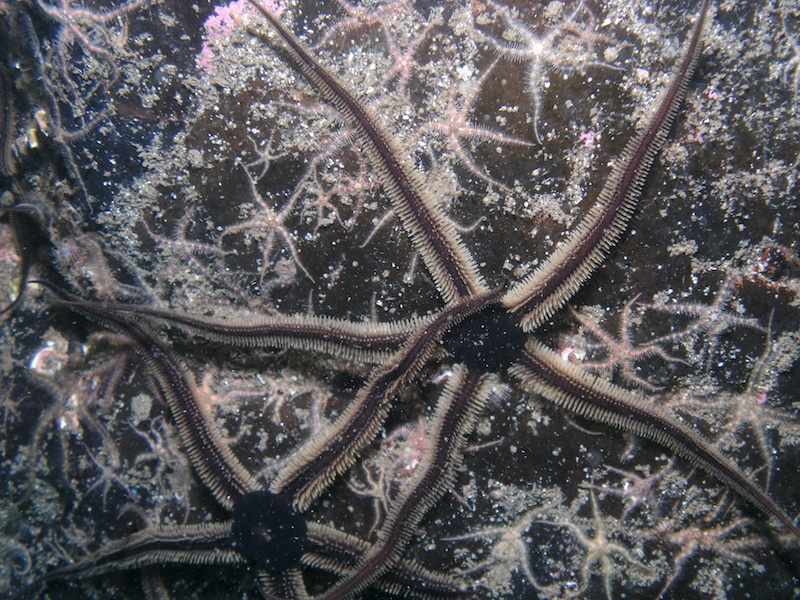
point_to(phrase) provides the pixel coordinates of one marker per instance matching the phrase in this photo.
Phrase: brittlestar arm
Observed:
(212, 544)
(218, 468)
(265, 530)
(336, 552)
(544, 372)
(288, 585)
(8, 121)
(317, 465)
(457, 411)
(197, 545)
(537, 297)
(29, 231)
(363, 342)
(24, 264)
(434, 236)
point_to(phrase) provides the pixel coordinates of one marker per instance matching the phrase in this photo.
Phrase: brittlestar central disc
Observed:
(488, 341)
(268, 531)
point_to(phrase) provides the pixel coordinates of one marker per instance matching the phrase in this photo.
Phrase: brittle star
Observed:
(481, 329)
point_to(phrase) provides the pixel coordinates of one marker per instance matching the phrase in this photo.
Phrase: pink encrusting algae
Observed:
(222, 23)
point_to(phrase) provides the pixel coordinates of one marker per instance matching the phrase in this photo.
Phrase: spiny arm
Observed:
(537, 297)
(544, 372)
(434, 236)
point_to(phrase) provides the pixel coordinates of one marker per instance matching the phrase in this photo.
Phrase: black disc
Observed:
(489, 340)
(268, 531)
